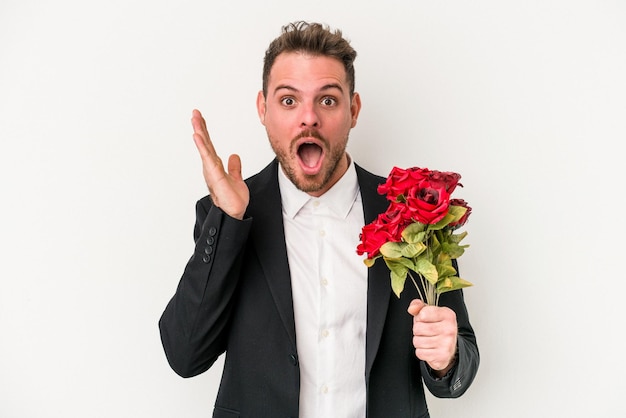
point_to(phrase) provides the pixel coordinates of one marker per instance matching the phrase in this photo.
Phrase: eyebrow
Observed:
(295, 90)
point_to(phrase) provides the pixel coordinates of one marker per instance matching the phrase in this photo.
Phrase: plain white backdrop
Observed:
(99, 177)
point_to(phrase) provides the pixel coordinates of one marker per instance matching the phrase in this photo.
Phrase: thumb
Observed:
(234, 167)
(415, 307)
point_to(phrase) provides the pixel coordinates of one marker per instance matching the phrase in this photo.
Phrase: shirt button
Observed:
(325, 333)
(316, 203)
(324, 282)
(293, 358)
(322, 233)
(324, 389)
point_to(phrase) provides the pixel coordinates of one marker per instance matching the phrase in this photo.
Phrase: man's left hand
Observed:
(434, 335)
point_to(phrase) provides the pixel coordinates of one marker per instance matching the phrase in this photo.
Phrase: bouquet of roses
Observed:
(418, 232)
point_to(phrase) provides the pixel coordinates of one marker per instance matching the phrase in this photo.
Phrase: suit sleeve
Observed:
(194, 325)
(460, 377)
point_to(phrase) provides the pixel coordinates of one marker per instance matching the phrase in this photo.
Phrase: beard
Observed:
(288, 159)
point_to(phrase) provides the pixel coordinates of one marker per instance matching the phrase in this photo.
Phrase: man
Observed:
(275, 282)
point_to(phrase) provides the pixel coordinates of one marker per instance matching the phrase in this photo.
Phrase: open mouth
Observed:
(310, 155)
(310, 152)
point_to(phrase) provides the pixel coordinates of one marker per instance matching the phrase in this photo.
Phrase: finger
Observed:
(198, 123)
(430, 313)
(203, 139)
(424, 343)
(201, 146)
(415, 307)
(210, 162)
(234, 167)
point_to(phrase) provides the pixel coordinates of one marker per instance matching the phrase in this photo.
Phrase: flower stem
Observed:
(430, 291)
(417, 287)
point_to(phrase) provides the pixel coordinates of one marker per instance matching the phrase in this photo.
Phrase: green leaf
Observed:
(399, 263)
(453, 250)
(444, 285)
(392, 249)
(427, 269)
(434, 243)
(442, 223)
(458, 237)
(454, 214)
(369, 262)
(427, 256)
(457, 212)
(413, 250)
(444, 259)
(445, 270)
(414, 233)
(452, 283)
(398, 278)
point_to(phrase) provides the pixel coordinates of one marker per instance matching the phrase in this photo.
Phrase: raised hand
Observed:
(227, 189)
(435, 333)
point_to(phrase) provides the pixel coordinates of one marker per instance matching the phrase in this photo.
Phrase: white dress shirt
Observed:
(329, 285)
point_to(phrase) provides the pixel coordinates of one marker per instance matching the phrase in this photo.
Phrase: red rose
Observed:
(373, 236)
(428, 204)
(446, 179)
(400, 181)
(395, 219)
(387, 227)
(462, 203)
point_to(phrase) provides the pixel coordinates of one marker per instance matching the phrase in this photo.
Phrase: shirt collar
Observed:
(340, 198)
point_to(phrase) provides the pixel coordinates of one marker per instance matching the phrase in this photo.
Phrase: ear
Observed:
(355, 108)
(261, 106)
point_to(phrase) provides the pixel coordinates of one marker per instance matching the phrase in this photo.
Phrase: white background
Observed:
(99, 177)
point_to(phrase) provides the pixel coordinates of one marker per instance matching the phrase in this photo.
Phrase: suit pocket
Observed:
(225, 413)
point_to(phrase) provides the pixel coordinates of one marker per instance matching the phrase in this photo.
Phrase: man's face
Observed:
(308, 115)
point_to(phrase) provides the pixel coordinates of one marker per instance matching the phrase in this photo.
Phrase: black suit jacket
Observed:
(235, 297)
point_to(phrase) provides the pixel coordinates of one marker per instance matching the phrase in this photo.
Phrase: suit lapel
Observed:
(378, 288)
(269, 242)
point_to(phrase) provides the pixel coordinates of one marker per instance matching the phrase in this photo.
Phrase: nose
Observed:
(309, 117)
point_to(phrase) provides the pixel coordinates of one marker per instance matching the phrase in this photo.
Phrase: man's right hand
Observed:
(228, 190)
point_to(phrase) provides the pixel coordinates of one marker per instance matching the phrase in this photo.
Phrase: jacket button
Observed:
(210, 240)
(212, 231)
(208, 250)
(206, 259)
(293, 358)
